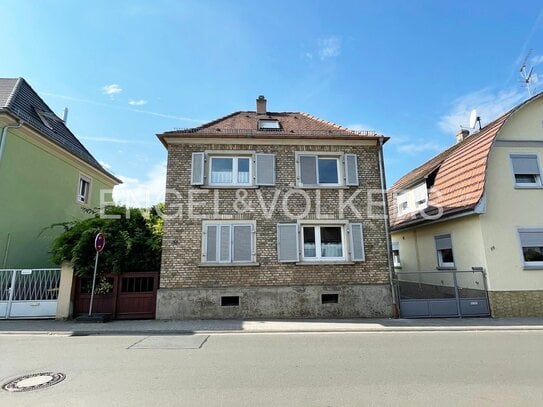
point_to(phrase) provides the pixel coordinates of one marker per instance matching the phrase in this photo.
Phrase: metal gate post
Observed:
(456, 294)
(11, 293)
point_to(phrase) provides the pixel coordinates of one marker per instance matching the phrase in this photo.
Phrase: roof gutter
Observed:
(3, 137)
(382, 141)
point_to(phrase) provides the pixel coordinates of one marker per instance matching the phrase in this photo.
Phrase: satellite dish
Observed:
(473, 118)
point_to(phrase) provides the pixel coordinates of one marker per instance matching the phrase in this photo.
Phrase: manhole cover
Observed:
(34, 381)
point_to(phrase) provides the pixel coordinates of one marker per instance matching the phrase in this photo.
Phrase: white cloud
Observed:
(490, 105)
(113, 140)
(111, 90)
(107, 166)
(419, 147)
(139, 102)
(142, 193)
(329, 47)
(359, 126)
(536, 60)
(108, 105)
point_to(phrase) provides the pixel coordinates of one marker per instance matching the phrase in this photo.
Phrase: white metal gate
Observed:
(29, 293)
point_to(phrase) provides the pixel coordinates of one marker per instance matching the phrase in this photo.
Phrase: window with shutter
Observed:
(445, 257)
(326, 170)
(526, 170)
(531, 241)
(228, 242)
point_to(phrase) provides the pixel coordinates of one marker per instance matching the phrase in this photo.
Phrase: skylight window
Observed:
(268, 124)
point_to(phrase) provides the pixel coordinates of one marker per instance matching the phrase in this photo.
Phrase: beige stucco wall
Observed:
(418, 250)
(509, 208)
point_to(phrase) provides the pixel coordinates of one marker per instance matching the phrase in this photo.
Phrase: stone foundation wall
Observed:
(354, 301)
(516, 303)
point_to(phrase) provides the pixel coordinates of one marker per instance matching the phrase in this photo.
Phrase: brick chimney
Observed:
(261, 105)
(462, 135)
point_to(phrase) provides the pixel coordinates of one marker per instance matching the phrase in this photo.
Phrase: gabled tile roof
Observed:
(292, 125)
(19, 99)
(460, 174)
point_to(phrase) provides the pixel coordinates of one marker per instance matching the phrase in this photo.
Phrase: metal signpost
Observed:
(99, 243)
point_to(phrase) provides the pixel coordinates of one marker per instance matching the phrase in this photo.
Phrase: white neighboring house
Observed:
(489, 187)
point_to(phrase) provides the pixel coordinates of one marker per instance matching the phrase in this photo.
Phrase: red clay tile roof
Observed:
(292, 125)
(460, 178)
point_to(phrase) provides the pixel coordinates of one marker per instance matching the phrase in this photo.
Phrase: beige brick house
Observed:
(273, 215)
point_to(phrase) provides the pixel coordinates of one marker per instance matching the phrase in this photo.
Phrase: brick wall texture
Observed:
(182, 245)
(516, 303)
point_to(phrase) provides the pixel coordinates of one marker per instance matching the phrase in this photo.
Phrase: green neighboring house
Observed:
(46, 176)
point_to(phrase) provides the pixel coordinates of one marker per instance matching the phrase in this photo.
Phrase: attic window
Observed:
(42, 115)
(268, 124)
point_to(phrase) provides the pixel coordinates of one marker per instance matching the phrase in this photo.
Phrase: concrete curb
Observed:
(274, 331)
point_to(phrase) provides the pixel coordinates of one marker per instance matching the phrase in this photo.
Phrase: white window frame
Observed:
(235, 173)
(318, 257)
(231, 224)
(527, 185)
(340, 165)
(444, 264)
(528, 264)
(403, 199)
(396, 248)
(83, 199)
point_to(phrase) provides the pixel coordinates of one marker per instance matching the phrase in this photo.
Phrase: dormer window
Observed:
(269, 124)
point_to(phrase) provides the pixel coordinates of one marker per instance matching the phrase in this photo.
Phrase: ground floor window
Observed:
(396, 254)
(445, 256)
(531, 241)
(228, 242)
(323, 243)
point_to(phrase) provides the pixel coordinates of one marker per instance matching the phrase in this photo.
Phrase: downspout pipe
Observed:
(4, 136)
(395, 312)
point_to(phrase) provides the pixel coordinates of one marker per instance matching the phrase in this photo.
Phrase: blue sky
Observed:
(127, 70)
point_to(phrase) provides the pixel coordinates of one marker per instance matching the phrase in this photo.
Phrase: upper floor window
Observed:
(531, 241)
(83, 189)
(526, 170)
(327, 170)
(230, 170)
(241, 170)
(445, 257)
(403, 203)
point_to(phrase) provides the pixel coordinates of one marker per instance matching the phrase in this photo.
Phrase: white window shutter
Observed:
(210, 236)
(265, 169)
(356, 237)
(287, 243)
(242, 243)
(351, 170)
(225, 244)
(308, 169)
(197, 169)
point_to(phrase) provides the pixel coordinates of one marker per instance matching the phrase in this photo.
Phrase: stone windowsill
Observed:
(209, 187)
(324, 263)
(324, 187)
(446, 268)
(228, 264)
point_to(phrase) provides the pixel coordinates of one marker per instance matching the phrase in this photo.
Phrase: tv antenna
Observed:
(527, 75)
(474, 119)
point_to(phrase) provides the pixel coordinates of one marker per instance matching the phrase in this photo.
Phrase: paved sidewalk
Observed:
(150, 327)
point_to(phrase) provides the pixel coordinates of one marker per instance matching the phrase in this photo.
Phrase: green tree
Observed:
(133, 242)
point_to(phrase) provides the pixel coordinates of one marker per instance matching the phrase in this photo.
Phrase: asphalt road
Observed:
(335, 369)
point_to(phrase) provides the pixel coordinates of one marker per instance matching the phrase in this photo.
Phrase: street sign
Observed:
(99, 242)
